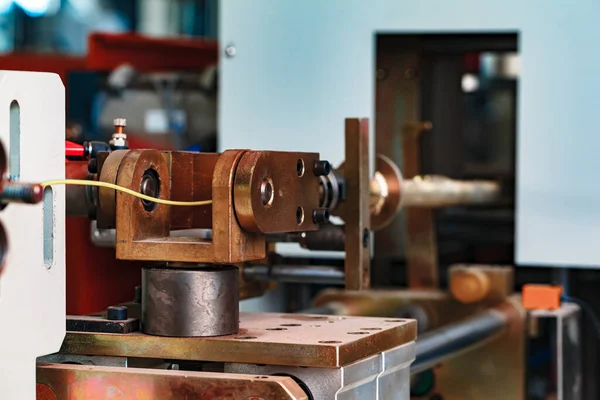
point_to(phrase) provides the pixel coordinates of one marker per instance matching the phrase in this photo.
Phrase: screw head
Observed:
(322, 168)
(116, 313)
(321, 215)
(230, 51)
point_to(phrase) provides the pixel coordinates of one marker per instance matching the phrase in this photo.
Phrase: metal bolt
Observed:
(321, 215)
(230, 51)
(119, 138)
(365, 238)
(322, 168)
(120, 122)
(410, 73)
(17, 192)
(116, 313)
(381, 74)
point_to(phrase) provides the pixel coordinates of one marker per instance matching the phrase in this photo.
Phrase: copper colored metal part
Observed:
(44, 392)
(385, 192)
(355, 209)
(145, 232)
(191, 180)
(421, 241)
(274, 339)
(495, 370)
(99, 383)
(145, 235)
(270, 187)
(490, 284)
(108, 165)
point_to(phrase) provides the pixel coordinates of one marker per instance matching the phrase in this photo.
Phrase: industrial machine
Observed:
(204, 225)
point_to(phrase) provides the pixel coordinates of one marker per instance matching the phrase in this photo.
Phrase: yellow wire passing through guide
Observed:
(82, 182)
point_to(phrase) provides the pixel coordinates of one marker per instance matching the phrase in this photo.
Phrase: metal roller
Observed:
(184, 302)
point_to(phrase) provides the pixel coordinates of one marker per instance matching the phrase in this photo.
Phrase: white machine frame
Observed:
(32, 285)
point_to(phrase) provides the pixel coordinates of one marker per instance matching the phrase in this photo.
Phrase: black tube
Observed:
(441, 343)
(295, 274)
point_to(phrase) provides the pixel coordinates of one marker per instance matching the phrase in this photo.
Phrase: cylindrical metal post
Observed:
(183, 302)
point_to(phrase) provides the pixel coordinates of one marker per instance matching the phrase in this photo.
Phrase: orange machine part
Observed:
(541, 297)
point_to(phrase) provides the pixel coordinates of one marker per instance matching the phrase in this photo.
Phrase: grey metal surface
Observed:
(439, 344)
(325, 275)
(190, 302)
(384, 376)
(567, 350)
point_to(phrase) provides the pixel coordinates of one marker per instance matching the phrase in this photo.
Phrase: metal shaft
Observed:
(439, 191)
(184, 302)
(435, 346)
(325, 275)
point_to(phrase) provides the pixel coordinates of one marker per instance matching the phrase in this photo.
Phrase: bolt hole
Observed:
(331, 322)
(276, 329)
(291, 325)
(394, 320)
(267, 194)
(299, 215)
(358, 333)
(315, 326)
(300, 167)
(371, 329)
(261, 377)
(245, 337)
(329, 341)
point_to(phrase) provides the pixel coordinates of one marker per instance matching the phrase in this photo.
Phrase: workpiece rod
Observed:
(437, 191)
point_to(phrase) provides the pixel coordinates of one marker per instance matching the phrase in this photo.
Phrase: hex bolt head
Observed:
(116, 313)
(365, 238)
(322, 168)
(321, 215)
(120, 122)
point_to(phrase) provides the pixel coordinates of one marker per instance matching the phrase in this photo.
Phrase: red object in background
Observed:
(58, 64)
(107, 51)
(95, 278)
(472, 62)
(74, 150)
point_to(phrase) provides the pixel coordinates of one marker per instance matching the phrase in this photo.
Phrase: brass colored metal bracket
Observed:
(272, 339)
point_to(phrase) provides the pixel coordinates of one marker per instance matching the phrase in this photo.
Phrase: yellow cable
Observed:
(82, 182)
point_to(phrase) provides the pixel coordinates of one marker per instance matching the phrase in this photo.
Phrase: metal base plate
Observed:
(273, 339)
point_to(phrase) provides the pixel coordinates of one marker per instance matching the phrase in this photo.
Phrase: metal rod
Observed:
(439, 191)
(325, 275)
(442, 343)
